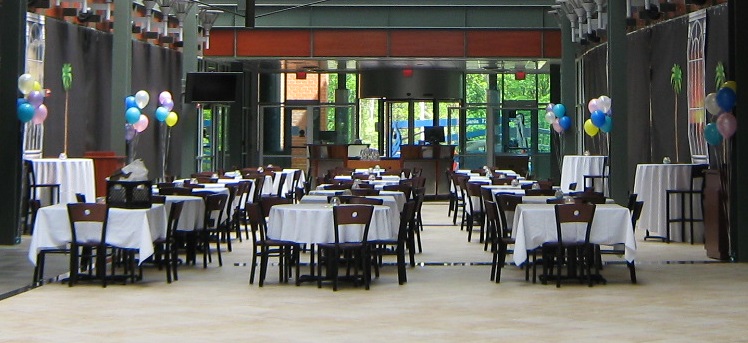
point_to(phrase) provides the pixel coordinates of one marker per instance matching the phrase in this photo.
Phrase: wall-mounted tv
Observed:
(433, 134)
(213, 87)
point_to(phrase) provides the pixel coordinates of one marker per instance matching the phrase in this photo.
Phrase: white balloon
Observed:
(142, 98)
(604, 103)
(25, 83)
(550, 117)
(710, 102)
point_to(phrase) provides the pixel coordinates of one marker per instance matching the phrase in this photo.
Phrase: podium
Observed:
(105, 164)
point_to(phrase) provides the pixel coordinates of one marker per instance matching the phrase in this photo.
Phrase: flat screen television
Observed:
(327, 136)
(433, 134)
(203, 87)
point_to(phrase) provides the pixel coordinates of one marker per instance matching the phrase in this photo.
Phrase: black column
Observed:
(621, 176)
(12, 57)
(738, 71)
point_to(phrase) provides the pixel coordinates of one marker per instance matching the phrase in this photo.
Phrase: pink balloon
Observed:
(593, 105)
(163, 97)
(40, 114)
(557, 127)
(142, 124)
(727, 124)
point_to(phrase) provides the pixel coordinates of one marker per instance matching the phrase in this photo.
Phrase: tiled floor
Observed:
(447, 299)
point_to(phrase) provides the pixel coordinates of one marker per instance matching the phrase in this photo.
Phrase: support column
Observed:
(188, 120)
(121, 76)
(12, 58)
(738, 71)
(569, 88)
(492, 116)
(621, 177)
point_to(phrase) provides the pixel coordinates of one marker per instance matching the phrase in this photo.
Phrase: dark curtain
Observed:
(595, 66)
(90, 54)
(668, 48)
(638, 88)
(716, 46)
(156, 69)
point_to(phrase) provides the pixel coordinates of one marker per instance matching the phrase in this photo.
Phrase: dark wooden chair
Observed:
(685, 199)
(364, 191)
(97, 214)
(265, 248)
(359, 200)
(506, 204)
(165, 249)
(553, 252)
(358, 254)
(397, 246)
(540, 192)
(212, 229)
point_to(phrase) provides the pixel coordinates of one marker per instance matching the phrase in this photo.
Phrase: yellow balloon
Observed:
(590, 128)
(731, 84)
(37, 86)
(171, 119)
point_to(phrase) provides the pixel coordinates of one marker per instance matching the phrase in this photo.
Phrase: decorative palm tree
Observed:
(67, 81)
(719, 76)
(676, 80)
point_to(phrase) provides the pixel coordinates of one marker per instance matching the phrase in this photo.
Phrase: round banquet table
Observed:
(74, 175)
(576, 167)
(313, 223)
(650, 183)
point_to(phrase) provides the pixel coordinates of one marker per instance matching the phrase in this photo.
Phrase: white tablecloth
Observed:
(313, 223)
(576, 167)
(535, 224)
(75, 175)
(193, 211)
(650, 183)
(126, 228)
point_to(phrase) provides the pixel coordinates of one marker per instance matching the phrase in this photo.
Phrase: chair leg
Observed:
(253, 267)
(263, 265)
(632, 271)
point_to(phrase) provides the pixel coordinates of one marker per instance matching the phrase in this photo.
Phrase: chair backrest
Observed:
(259, 183)
(242, 193)
(493, 220)
(158, 199)
(256, 219)
(281, 182)
(406, 189)
(339, 187)
(473, 190)
(80, 197)
(507, 203)
(352, 214)
(174, 212)
(418, 181)
(636, 212)
(33, 140)
(574, 213)
(214, 206)
(88, 213)
(572, 186)
(231, 199)
(129, 194)
(481, 172)
(591, 197)
(501, 180)
(545, 184)
(365, 185)
(28, 166)
(697, 172)
(419, 195)
(540, 192)
(364, 191)
(268, 202)
(407, 216)
(365, 201)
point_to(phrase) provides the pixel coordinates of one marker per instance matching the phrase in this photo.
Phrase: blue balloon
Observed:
(130, 102)
(598, 118)
(132, 115)
(726, 99)
(712, 135)
(25, 112)
(559, 110)
(20, 101)
(161, 113)
(608, 125)
(564, 122)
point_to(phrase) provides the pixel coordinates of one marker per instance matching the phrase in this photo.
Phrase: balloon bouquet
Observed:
(137, 122)
(600, 116)
(31, 107)
(556, 116)
(165, 115)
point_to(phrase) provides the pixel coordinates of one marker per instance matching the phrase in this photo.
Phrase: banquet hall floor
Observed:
(681, 296)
